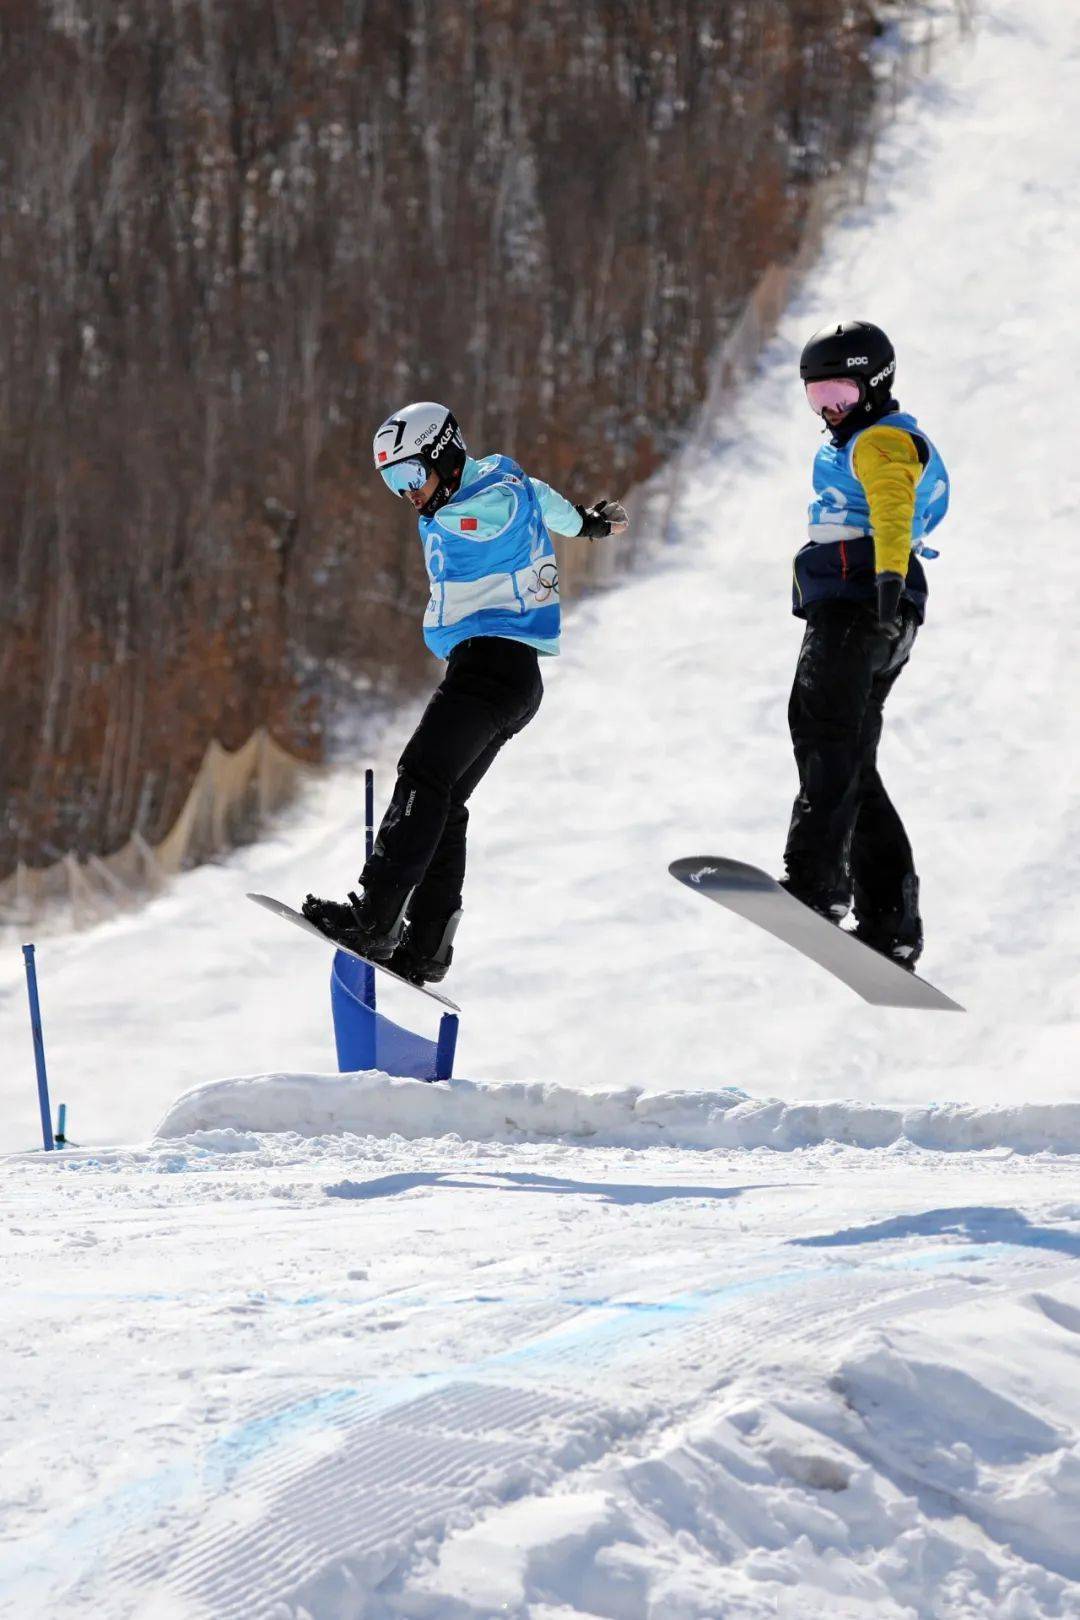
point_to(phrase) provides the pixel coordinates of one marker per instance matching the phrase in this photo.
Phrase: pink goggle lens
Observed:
(833, 393)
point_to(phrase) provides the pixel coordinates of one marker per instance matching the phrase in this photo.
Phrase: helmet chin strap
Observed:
(443, 493)
(440, 498)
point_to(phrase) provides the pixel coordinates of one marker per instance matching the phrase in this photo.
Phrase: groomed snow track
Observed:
(354, 1377)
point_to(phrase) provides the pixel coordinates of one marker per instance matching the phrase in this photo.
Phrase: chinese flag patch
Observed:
(382, 455)
(469, 523)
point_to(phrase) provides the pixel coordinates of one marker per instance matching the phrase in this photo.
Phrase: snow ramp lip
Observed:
(375, 1104)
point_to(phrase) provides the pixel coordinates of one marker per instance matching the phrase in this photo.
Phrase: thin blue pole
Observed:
(369, 844)
(61, 1125)
(39, 1048)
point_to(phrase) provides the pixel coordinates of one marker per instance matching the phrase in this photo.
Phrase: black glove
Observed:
(597, 521)
(889, 590)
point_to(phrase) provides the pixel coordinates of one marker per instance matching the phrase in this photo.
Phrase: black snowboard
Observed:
(753, 894)
(280, 909)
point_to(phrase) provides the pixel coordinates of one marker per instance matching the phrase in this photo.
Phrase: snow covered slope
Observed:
(357, 1378)
(663, 731)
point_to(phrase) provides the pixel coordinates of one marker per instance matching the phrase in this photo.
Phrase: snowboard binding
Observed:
(426, 950)
(360, 923)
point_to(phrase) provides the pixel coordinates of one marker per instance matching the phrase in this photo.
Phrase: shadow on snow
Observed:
(973, 1225)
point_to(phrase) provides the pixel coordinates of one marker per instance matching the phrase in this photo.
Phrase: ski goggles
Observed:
(833, 394)
(405, 477)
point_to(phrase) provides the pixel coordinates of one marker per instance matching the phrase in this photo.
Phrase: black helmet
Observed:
(852, 349)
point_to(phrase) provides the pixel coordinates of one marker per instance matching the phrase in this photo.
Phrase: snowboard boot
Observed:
(367, 923)
(831, 900)
(897, 934)
(426, 950)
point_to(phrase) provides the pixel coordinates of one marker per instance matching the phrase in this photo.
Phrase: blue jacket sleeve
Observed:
(559, 514)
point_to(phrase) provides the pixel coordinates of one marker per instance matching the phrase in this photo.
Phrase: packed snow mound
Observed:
(375, 1104)
(907, 1482)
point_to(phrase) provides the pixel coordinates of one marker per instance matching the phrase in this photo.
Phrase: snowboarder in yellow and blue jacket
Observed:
(880, 490)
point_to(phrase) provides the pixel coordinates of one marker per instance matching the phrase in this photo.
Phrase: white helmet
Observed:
(426, 436)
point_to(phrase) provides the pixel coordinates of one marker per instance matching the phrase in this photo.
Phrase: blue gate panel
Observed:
(367, 1039)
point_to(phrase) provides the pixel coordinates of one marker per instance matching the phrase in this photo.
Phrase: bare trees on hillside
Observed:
(232, 236)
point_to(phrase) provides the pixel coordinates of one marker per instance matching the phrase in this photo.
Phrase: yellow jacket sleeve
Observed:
(887, 465)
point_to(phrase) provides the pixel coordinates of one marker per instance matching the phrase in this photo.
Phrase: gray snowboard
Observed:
(753, 894)
(280, 909)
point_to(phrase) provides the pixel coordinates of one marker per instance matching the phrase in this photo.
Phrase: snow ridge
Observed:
(375, 1104)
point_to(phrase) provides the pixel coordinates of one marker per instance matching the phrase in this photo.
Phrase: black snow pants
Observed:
(490, 692)
(845, 834)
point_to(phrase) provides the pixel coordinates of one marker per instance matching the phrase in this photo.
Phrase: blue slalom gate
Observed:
(365, 1037)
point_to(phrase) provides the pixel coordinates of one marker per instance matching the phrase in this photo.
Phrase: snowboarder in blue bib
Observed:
(880, 489)
(492, 613)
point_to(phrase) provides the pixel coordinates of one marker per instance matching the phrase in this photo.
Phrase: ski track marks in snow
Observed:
(346, 1493)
